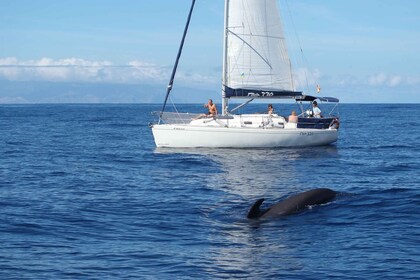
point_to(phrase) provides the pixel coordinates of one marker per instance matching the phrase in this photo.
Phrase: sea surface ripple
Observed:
(84, 194)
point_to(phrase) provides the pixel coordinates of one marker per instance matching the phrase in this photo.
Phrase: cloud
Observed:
(394, 81)
(81, 70)
(306, 78)
(383, 79)
(413, 80)
(78, 70)
(47, 69)
(377, 80)
(13, 100)
(377, 87)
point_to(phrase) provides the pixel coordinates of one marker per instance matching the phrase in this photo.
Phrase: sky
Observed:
(123, 51)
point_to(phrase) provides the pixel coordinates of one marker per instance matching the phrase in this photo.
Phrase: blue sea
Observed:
(84, 194)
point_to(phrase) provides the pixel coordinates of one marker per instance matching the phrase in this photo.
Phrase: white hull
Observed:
(183, 136)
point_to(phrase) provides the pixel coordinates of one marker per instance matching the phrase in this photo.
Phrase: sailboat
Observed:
(256, 65)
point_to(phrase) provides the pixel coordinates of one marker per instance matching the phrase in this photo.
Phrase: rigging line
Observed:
(261, 36)
(252, 48)
(176, 110)
(171, 82)
(300, 45)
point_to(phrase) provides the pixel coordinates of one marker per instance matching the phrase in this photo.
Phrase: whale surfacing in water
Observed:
(292, 204)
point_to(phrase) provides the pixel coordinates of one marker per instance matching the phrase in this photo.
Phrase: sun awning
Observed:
(312, 98)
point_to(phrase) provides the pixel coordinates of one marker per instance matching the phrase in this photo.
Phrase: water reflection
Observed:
(248, 250)
(251, 248)
(256, 172)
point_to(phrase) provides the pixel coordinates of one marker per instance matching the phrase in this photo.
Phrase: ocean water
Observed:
(84, 194)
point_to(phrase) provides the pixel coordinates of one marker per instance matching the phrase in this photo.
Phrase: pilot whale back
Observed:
(292, 204)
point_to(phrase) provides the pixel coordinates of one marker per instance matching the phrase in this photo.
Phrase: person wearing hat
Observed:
(316, 110)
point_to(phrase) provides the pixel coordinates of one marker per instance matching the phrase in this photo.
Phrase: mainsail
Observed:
(257, 62)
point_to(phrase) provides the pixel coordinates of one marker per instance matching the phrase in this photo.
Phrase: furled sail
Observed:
(257, 63)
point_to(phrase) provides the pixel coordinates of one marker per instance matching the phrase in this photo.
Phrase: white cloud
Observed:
(378, 87)
(394, 81)
(47, 69)
(413, 80)
(13, 100)
(136, 71)
(382, 79)
(304, 78)
(377, 79)
(81, 70)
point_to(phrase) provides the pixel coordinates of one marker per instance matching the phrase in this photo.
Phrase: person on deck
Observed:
(317, 112)
(293, 118)
(270, 109)
(212, 110)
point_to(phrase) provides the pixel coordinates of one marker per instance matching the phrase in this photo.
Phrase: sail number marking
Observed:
(262, 94)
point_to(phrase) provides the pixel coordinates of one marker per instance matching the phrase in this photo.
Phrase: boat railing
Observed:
(174, 117)
(182, 118)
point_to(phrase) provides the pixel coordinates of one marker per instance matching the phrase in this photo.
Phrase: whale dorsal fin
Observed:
(254, 212)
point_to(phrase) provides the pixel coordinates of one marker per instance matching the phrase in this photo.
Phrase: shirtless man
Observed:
(212, 110)
(293, 118)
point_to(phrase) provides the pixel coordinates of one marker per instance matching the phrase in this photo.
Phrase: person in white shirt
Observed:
(316, 110)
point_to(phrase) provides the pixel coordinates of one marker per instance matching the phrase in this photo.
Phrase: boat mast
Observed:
(225, 57)
(171, 82)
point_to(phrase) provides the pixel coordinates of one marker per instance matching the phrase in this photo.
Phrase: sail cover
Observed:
(257, 61)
